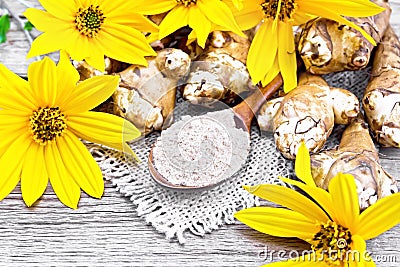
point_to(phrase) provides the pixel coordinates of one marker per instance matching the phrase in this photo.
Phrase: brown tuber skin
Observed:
(355, 155)
(111, 66)
(146, 95)
(219, 73)
(381, 100)
(327, 46)
(307, 113)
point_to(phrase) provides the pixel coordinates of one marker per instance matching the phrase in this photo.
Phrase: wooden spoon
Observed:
(244, 114)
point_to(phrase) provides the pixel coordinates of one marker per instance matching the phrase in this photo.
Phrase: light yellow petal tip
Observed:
(128, 151)
(251, 189)
(28, 202)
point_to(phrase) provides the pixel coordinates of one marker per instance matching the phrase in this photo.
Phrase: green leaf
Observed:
(4, 27)
(28, 26)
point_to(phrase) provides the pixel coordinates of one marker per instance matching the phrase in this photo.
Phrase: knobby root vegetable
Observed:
(355, 155)
(146, 95)
(307, 113)
(219, 73)
(111, 66)
(381, 100)
(327, 46)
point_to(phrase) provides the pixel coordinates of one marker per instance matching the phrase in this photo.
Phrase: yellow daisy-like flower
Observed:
(200, 15)
(41, 121)
(90, 29)
(273, 48)
(330, 222)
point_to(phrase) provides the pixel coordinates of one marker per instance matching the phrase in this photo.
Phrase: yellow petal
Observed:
(278, 222)
(353, 8)
(287, 56)
(271, 74)
(80, 165)
(174, 20)
(64, 9)
(200, 24)
(152, 7)
(96, 60)
(262, 52)
(135, 21)
(379, 217)
(322, 11)
(115, 8)
(15, 92)
(302, 165)
(67, 191)
(219, 13)
(238, 4)
(67, 78)
(34, 178)
(249, 16)
(9, 134)
(289, 198)
(300, 17)
(126, 13)
(44, 21)
(13, 119)
(358, 256)
(358, 244)
(80, 46)
(124, 44)
(89, 94)
(49, 42)
(320, 196)
(103, 127)
(343, 190)
(42, 77)
(123, 147)
(11, 163)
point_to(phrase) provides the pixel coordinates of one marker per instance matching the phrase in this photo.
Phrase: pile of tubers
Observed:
(146, 96)
(309, 112)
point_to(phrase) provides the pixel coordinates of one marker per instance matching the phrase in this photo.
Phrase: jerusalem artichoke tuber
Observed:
(355, 155)
(146, 96)
(381, 100)
(307, 113)
(219, 74)
(328, 46)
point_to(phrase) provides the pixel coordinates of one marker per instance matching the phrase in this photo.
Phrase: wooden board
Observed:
(108, 232)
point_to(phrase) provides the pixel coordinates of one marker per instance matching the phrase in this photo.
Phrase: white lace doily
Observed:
(174, 212)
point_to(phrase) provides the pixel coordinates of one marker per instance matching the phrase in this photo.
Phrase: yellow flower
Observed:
(330, 222)
(41, 121)
(238, 4)
(91, 29)
(201, 15)
(273, 48)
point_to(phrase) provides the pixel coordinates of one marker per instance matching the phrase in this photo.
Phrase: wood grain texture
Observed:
(108, 232)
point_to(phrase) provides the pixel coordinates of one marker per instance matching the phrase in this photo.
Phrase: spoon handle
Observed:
(250, 105)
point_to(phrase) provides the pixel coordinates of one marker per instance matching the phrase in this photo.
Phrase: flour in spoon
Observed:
(201, 150)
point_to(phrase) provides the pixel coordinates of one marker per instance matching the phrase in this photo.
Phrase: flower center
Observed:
(332, 242)
(186, 3)
(284, 11)
(88, 20)
(46, 124)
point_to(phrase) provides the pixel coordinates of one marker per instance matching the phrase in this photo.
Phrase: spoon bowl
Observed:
(243, 116)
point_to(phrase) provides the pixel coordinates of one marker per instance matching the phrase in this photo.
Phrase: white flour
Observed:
(201, 150)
